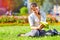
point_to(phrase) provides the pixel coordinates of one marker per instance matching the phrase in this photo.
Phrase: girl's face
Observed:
(34, 9)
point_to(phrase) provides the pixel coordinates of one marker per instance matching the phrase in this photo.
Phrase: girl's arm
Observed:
(38, 28)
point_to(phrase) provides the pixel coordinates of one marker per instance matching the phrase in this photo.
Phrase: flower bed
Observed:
(13, 19)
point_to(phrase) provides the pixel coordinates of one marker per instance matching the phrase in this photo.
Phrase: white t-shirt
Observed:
(34, 21)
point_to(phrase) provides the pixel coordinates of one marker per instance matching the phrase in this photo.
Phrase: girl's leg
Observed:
(32, 33)
(52, 32)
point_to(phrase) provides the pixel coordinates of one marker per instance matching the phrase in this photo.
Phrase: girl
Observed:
(34, 20)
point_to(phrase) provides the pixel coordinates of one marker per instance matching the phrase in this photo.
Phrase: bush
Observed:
(13, 19)
(7, 19)
(23, 11)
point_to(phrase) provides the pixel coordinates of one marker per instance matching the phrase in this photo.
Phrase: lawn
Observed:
(11, 32)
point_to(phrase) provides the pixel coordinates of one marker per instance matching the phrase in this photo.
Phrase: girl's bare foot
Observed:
(21, 35)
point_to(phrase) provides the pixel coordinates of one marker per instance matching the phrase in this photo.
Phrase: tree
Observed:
(17, 3)
(39, 2)
(55, 2)
(47, 5)
(12, 4)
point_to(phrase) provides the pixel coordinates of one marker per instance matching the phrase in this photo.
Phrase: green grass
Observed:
(11, 32)
(13, 24)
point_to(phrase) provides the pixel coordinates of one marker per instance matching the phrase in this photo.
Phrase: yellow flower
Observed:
(45, 24)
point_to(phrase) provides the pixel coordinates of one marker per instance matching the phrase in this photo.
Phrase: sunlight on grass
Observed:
(11, 32)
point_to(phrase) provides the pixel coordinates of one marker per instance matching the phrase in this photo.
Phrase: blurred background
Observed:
(13, 10)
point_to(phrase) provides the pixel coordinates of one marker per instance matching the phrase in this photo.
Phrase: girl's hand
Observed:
(41, 26)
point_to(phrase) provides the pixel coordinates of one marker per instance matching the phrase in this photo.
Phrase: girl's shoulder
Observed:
(31, 15)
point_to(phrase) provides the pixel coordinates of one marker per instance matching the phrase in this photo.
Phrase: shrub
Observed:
(13, 19)
(7, 19)
(23, 11)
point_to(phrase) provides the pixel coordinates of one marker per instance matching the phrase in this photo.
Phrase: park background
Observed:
(16, 21)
